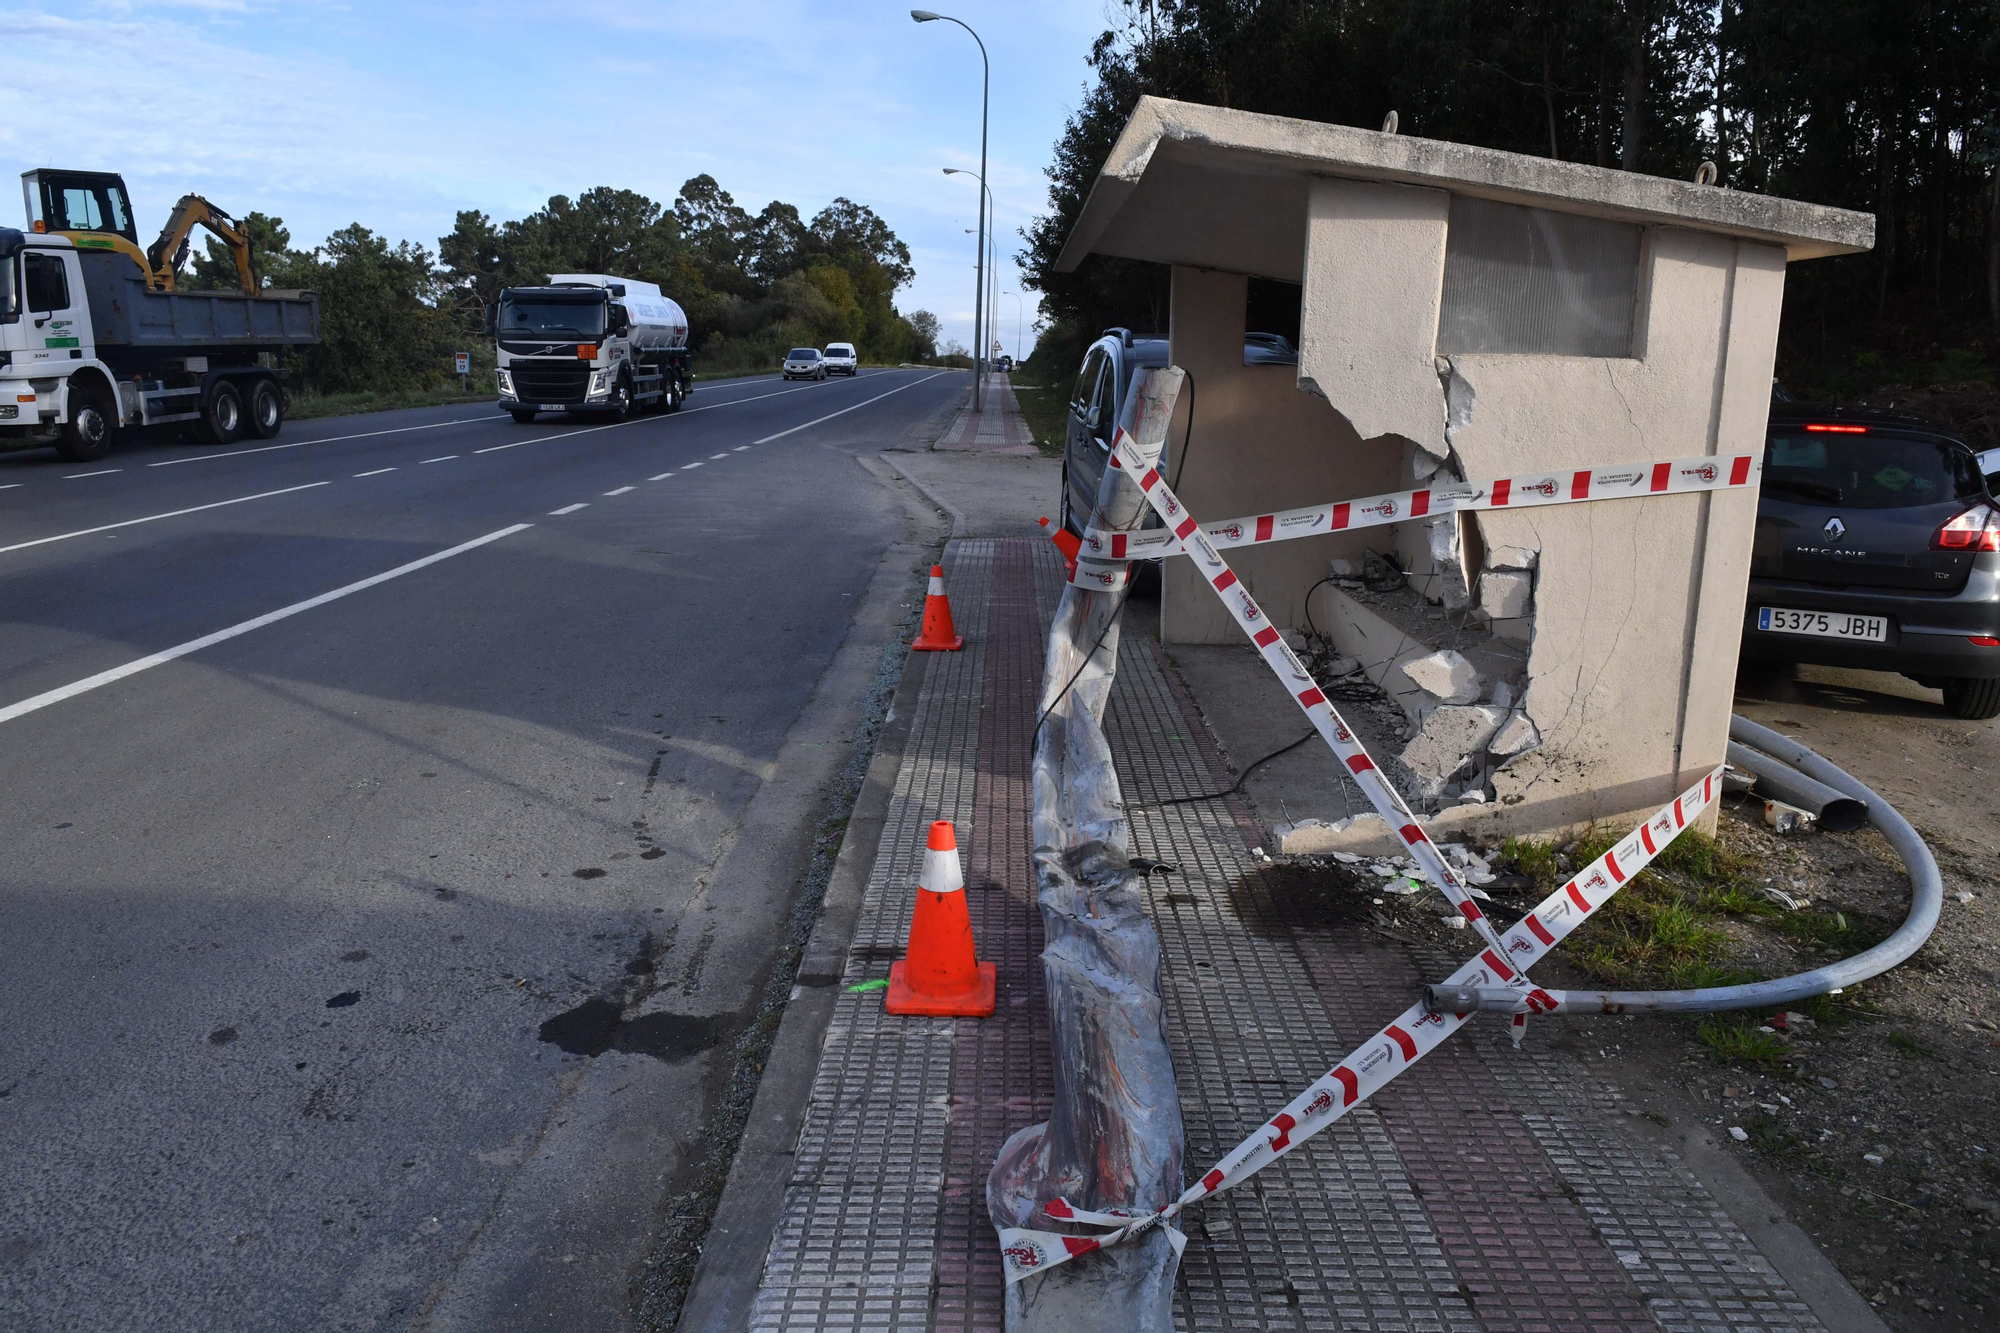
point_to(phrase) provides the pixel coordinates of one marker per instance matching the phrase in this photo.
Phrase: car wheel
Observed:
(87, 436)
(267, 409)
(1974, 700)
(522, 415)
(221, 416)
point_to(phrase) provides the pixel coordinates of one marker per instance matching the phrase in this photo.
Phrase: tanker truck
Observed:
(589, 342)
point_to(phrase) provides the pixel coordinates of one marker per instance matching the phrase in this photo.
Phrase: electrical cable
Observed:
(1118, 611)
(1231, 789)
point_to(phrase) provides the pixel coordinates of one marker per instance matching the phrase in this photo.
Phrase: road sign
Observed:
(465, 363)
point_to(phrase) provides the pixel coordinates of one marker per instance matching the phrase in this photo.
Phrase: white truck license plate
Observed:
(1822, 624)
(552, 407)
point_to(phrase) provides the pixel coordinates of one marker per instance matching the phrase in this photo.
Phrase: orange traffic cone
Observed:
(1067, 542)
(938, 975)
(938, 636)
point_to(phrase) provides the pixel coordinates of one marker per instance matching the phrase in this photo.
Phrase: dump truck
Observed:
(589, 342)
(96, 340)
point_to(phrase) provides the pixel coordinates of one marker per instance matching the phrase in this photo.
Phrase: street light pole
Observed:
(979, 280)
(1018, 308)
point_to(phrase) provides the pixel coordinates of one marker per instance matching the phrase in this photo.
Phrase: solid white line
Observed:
(331, 439)
(70, 691)
(440, 458)
(662, 477)
(686, 466)
(567, 509)
(713, 457)
(75, 476)
(845, 410)
(620, 491)
(173, 513)
(376, 473)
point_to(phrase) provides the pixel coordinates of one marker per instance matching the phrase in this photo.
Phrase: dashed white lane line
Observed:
(845, 410)
(686, 466)
(620, 491)
(331, 439)
(662, 477)
(150, 518)
(78, 476)
(11, 486)
(440, 458)
(88, 683)
(738, 449)
(376, 473)
(568, 509)
(723, 454)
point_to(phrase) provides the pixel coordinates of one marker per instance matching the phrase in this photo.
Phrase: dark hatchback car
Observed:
(1877, 547)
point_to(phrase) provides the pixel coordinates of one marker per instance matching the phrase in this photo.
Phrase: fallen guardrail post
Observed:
(1112, 1145)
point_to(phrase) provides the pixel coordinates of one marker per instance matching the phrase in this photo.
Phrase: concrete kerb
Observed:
(731, 1266)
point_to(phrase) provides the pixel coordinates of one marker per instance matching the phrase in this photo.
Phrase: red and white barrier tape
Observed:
(1187, 536)
(1375, 1062)
(1678, 476)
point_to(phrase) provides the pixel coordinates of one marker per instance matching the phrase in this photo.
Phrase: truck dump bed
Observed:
(125, 312)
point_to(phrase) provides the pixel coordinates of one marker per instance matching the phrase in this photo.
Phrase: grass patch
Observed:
(1769, 1137)
(1735, 1041)
(1046, 410)
(306, 407)
(1910, 1046)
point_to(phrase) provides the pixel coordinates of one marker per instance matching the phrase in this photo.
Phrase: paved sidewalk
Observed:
(999, 429)
(1487, 1190)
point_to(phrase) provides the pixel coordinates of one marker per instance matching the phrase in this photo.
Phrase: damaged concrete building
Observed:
(1464, 314)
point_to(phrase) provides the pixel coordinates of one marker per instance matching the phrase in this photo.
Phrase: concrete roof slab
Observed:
(1215, 188)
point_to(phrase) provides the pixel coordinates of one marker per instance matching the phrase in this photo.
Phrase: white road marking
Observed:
(11, 486)
(713, 457)
(172, 513)
(739, 448)
(662, 477)
(686, 466)
(620, 491)
(331, 439)
(376, 473)
(88, 683)
(78, 476)
(845, 410)
(568, 509)
(440, 458)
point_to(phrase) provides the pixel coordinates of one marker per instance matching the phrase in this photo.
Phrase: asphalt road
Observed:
(373, 951)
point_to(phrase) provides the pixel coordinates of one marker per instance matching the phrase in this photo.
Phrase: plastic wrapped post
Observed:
(1114, 1138)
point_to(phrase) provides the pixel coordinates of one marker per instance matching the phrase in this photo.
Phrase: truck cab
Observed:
(589, 342)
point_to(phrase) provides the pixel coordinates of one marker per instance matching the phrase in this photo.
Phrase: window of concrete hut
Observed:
(1526, 280)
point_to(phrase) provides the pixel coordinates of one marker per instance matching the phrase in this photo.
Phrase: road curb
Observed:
(958, 526)
(731, 1267)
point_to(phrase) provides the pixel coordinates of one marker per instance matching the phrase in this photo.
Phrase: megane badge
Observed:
(1834, 529)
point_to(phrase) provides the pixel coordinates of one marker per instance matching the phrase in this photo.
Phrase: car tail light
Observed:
(1977, 529)
(1836, 428)
(1985, 640)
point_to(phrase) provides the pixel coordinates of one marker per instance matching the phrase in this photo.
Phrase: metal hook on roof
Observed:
(1705, 174)
(1389, 123)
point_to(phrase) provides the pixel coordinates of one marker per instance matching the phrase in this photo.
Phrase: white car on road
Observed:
(842, 359)
(805, 363)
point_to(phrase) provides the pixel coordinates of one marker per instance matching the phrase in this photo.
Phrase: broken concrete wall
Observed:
(1259, 445)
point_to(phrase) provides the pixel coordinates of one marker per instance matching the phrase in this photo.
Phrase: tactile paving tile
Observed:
(855, 1245)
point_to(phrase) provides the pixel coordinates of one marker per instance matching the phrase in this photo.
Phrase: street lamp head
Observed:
(955, 171)
(924, 15)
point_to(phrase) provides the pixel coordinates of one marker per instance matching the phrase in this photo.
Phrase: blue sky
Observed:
(396, 115)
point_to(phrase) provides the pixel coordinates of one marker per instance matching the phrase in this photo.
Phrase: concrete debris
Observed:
(1473, 797)
(1740, 1134)
(1512, 557)
(1455, 921)
(1735, 781)
(1343, 666)
(1445, 674)
(1781, 818)
(1343, 569)
(1424, 463)
(1448, 743)
(1966, 896)
(1505, 594)
(1442, 535)
(1872, 1158)
(1500, 694)
(1386, 871)
(1295, 639)
(1403, 888)
(1514, 736)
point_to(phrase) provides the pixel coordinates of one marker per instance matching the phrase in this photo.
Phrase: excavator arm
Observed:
(166, 255)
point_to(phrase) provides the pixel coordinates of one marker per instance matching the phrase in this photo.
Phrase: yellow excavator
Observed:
(92, 209)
